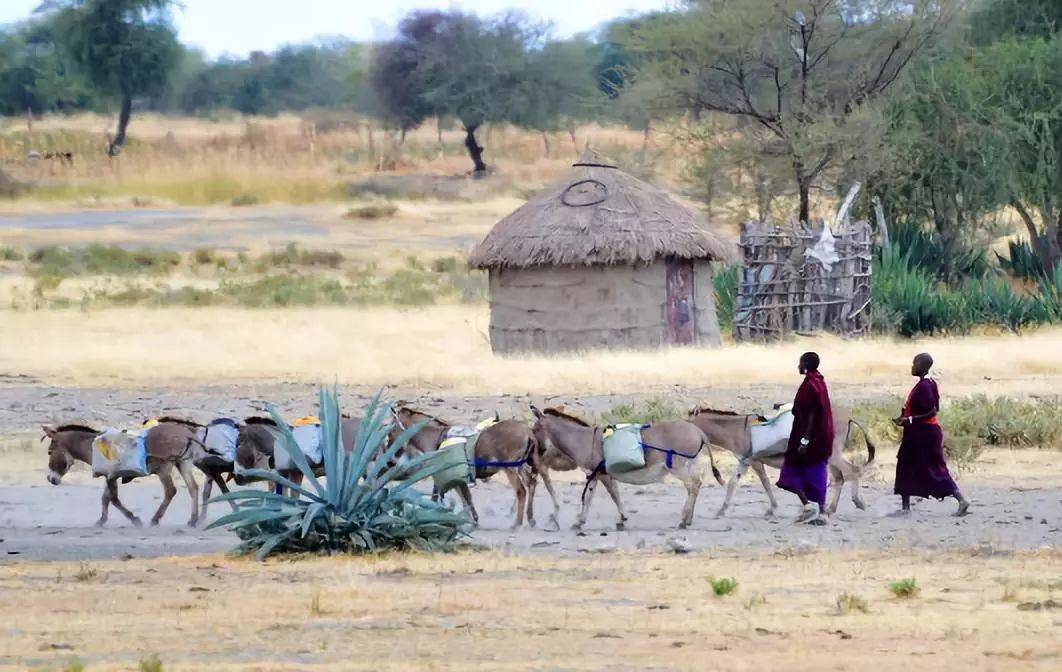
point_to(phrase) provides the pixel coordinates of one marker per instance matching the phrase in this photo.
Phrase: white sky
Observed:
(237, 27)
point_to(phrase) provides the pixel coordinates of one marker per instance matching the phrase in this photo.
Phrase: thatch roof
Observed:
(599, 214)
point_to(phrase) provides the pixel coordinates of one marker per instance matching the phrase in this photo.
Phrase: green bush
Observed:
(723, 587)
(904, 588)
(365, 504)
(284, 290)
(1022, 262)
(100, 260)
(241, 200)
(10, 254)
(1005, 422)
(912, 301)
(657, 409)
(372, 211)
(726, 291)
(1050, 295)
(992, 301)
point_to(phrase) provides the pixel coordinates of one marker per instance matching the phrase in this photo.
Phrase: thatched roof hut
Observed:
(601, 259)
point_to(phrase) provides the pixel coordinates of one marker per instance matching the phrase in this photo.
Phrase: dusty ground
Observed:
(500, 611)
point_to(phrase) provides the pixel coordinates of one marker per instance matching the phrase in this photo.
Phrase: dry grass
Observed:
(446, 347)
(191, 161)
(484, 611)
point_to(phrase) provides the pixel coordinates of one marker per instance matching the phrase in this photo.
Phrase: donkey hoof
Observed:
(193, 522)
(621, 526)
(101, 522)
(861, 505)
(720, 513)
(769, 514)
(577, 526)
(154, 522)
(683, 525)
(137, 522)
(553, 526)
(531, 523)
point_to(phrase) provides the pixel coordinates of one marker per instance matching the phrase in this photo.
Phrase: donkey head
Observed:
(66, 445)
(254, 449)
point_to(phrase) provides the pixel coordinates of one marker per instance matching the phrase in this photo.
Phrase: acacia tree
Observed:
(803, 71)
(127, 48)
(460, 65)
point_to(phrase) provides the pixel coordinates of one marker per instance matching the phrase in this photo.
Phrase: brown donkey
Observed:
(169, 445)
(734, 432)
(257, 443)
(670, 448)
(507, 446)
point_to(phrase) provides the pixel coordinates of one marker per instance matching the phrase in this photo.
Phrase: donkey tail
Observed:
(871, 448)
(705, 443)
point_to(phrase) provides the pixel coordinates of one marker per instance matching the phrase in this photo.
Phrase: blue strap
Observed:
(672, 453)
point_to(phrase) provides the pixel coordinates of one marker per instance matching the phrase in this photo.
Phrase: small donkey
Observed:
(168, 446)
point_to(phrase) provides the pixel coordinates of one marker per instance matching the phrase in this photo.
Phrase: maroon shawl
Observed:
(812, 402)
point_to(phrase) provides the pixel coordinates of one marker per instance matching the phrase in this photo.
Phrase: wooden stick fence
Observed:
(783, 291)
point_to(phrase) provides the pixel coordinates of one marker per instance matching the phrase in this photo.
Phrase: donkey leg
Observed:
(554, 519)
(208, 484)
(112, 492)
(613, 491)
(692, 481)
(731, 487)
(761, 473)
(835, 488)
(531, 484)
(188, 476)
(466, 497)
(224, 490)
(521, 496)
(852, 473)
(168, 491)
(106, 501)
(588, 497)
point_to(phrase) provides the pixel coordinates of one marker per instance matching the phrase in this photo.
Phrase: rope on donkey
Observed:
(670, 460)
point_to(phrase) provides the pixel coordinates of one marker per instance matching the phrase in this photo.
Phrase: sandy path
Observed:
(39, 521)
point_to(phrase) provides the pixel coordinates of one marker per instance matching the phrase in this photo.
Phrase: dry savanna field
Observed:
(239, 262)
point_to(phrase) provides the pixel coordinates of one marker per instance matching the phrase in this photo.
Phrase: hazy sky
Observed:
(239, 26)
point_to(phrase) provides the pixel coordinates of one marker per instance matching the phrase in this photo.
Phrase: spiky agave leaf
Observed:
(366, 502)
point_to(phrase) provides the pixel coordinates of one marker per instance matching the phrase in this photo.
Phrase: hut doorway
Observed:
(680, 302)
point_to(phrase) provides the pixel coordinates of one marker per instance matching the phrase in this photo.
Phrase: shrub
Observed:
(723, 587)
(284, 290)
(657, 409)
(992, 301)
(204, 256)
(913, 300)
(366, 503)
(1050, 295)
(904, 588)
(848, 603)
(1022, 262)
(372, 211)
(10, 254)
(726, 292)
(244, 199)
(1005, 422)
(101, 260)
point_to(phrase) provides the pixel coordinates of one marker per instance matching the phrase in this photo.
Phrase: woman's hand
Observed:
(898, 422)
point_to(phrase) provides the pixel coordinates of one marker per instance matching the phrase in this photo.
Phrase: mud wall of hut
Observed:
(558, 309)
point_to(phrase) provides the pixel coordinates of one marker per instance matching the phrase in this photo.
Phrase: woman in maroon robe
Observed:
(810, 443)
(921, 470)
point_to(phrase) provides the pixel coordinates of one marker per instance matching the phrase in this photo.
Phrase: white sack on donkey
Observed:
(119, 454)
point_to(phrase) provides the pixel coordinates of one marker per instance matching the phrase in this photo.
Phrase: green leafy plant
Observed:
(367, 502)
(151, 663)
(904, 588)
(1021, 262)
(726, 291)
(723, 587)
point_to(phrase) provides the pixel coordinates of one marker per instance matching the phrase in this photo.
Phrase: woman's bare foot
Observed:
(900, 513)
(964, 508)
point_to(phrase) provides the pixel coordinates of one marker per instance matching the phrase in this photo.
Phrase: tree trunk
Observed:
(475, 152)
(115, 146)
(1052, 237)
(438, 130)
(575, 141)
(804, 186)
(645, 139)
(372, 145)
(402, 138)
(545, 143)
(29, 119)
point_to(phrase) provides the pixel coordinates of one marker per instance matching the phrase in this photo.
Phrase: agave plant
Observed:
(366, 502)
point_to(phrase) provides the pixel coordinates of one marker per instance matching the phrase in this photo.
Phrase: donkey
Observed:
(214, 455)
(258, 441)
(734, 432)
(168, 446)
(670, 448)
(506, 446)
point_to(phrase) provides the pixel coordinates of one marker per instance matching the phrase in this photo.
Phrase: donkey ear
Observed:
(49, 431)
(534, 411)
